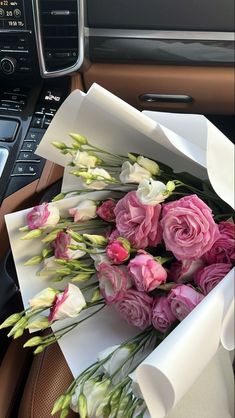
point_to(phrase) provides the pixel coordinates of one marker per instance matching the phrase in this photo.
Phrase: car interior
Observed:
(156, 55)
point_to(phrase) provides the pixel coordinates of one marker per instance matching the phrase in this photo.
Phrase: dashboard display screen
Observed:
(12, 14)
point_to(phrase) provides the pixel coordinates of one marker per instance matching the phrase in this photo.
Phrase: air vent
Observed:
(59, 27)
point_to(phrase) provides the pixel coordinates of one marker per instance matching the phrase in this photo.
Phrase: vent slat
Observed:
(59, 28)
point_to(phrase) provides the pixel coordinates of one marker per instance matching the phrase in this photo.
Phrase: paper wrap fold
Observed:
(188, 142)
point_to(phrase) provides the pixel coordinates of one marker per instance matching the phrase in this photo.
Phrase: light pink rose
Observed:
(106, 210)
(137, 222)
(67, 304)
(189, 230)
(113, 282)
(208, 277)
(62, 250)
(223, 250)
(42, 215)
(117, 252)
(183, 300)
(136, 308)
(162, 316)
(146, 272)
(184, 271)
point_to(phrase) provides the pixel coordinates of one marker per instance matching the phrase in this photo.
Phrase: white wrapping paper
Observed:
(185, 142)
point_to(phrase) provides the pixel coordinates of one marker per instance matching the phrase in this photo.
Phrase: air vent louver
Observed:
(59, 33)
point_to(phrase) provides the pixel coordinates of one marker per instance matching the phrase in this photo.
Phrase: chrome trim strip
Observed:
(38, 35)
(155, 34)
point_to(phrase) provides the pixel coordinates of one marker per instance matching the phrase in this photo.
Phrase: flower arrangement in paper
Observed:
(151, 250)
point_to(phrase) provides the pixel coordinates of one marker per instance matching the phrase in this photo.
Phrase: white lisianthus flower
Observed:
(151, 192)
(43, 299)
(119, 360)
(98, 177)
(76, 254)
(149, 165)
(85, 210)
(84, 160)
(94, 392)
(68, 304)
(133, 173)
(49, 267)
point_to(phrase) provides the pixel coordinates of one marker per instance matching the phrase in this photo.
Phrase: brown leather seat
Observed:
(48, 378)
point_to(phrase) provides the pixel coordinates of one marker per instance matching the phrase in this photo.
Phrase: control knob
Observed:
(8, 65)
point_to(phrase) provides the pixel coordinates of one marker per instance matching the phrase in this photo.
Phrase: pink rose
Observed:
(162, 316)
(106, 210)
(146, 272)
(113, 281)
(67, 304)
(136, 308)
(42, 215)
(183, 300)
(137, 222)
(189, 230)
(208, 277)
(223, 250)
(184, 271)
(62, 250)
(117, 251)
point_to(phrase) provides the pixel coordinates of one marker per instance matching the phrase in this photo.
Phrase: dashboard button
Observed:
(19, 169)
(28, 156)
(37, 122)
(31, 169)
(29, 146)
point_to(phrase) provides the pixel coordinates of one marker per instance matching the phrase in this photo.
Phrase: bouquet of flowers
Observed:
(149, 244)
(155, 252)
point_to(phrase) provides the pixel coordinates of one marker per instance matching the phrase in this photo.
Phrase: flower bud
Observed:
(35, 233)
(19, 332)
(39, 349)
(59, 145)
(34, 261)
(132, 157)
(58, 404)
(80, 139)
(170, 186)
(47, 252)
(43, 299)
(19, 325)
(64, 413)
(95, 295)
(51, 236)
(24, 228)
(32, 342)
(77, 237)
(58, 197)
(81, 277)
(82, 406)
(149, 165)
(39, 323)
(96, 239)
(67, 401)
(11, 320)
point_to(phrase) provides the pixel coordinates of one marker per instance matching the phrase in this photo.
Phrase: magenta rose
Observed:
(42, 215)
(183, 300)
(162, 316)
(136, 308)
(189, 230)
(137, 222)
(113, 282)
(223, 250)
(106, 210)
(146, 272)
(208, 277)
(62, 250)
(117, 251)
(184, 271)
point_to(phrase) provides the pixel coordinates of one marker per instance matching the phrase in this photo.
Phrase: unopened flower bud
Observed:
(82, 406)
(64, 413)
(34, 261)
(39, 323)
(35, 233)
(39, 349)
(95, 295)
(170, 186)
(77, 237)
(67, 401)
(148, 164)
(96, 239)
(58, 197)
(47, 252)
(11, 320)
(81, 277)
(58, 404)
(59, 145)
(32, 342)
(80, 139)
(18, 333)
(51, 236)
(132, 157)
